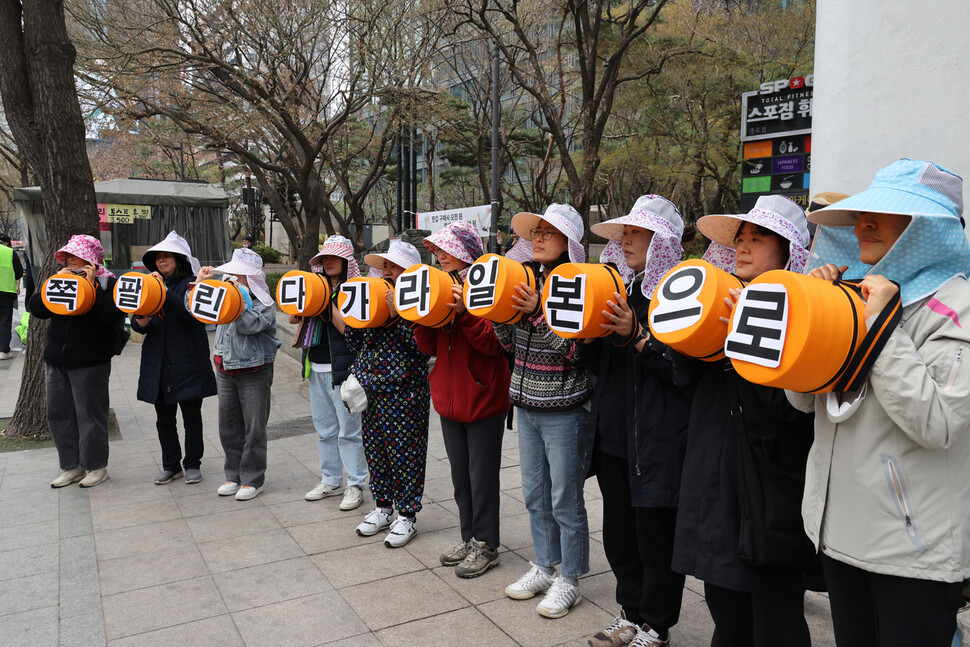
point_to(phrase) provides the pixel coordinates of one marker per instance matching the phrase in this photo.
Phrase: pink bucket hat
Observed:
(774, 212)
(173, 244)
(658, 215)
(341, 247)
(460, 239)
(561, 216)
(248, 263)
(87, 248)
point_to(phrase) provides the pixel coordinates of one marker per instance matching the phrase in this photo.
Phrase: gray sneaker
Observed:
(479, 559)
(193, 475)
(353, 495)
(167, 476)
(456, 555)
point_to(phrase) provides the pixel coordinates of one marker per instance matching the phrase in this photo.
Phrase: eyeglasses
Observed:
(545, 234)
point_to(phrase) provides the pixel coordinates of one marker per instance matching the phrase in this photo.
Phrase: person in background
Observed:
(394, 375)
(176, 372)
(550, 393)
(245, 350)
(638, 429)
(327, 361)
(248, 242)
(470, 392)
(10, 272)
(887, 493)
(755, 595)
(77, 365)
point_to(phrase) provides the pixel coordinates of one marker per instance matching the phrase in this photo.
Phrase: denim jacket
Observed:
(250, 340)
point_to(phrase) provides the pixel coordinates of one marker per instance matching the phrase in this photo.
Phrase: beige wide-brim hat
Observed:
(398, 252)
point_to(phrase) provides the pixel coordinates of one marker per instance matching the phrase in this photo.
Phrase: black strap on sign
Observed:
(854, 375)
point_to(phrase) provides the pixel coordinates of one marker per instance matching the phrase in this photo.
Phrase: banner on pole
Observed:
(479, 216)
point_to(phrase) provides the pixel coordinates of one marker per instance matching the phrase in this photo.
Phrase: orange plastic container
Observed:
(795, 332)
(490, 285)
(363, 302)
(687, 306)
(423, 294)
(574, 298)
(303, 294)
(216, 302)
(67, 293)
(139, 294)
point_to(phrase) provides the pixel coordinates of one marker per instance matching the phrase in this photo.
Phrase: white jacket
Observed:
(888, 489)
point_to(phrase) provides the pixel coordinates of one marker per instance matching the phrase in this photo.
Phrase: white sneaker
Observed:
(6, 356)
(535, 581)
(647, 637)
(353, 495)
(228, 488)
(321, 491)
(67, 477)
(402, 530)
(376, 520)
(94, 477)
(560, 598)
(247, 492)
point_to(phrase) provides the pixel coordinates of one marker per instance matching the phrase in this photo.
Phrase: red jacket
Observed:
(470, 379)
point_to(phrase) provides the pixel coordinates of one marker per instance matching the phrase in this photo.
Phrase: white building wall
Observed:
(892, 79)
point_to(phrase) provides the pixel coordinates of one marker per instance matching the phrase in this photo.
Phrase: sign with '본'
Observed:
(565, 303)
(759, 325)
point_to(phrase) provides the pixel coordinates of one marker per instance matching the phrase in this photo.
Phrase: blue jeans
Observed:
(551, 462)
(339, 443)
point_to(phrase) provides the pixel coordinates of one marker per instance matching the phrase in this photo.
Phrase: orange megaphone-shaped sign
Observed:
(216, 302)
(68, 294)
(363, 302)
(423, 294)
(574, 298)
(490, 285)
(139, 294)
(687, 306)
(303, 294)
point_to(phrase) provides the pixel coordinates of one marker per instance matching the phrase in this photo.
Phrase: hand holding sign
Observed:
(527, 300)
(877, 291)
(620, 317)
(458, 304)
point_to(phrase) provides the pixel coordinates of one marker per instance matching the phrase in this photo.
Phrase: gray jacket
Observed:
(887, 489)
(250, 340)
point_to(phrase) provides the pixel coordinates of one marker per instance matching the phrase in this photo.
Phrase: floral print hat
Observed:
(87, 248)
(460, 239)
(658, 215)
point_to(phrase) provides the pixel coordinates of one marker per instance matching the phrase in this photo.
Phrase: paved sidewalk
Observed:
(132, 563)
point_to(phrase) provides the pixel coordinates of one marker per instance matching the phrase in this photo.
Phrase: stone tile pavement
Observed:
(132, 563)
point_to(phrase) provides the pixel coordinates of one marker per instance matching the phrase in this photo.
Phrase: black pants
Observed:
(168, 435)
(767, 619)
(7, 301)
(475, 453)
(639, 544)
(870, 610)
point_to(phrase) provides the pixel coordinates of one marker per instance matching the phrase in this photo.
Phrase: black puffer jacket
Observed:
(175, 360)
(77, 341)
(638, 414)
(332, 350)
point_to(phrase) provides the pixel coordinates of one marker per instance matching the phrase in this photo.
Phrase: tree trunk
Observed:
(40, 101)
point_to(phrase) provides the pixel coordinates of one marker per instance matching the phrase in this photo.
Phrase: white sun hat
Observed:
(246, 262)
(561, 216)
(173, 244)
(398, 252)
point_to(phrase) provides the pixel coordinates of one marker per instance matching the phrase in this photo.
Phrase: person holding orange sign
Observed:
(738, 521)
(887, 492)
(77, 365)
(470, 391)
(326, 363)
(550, 392)
(244, 352)
(175, 369)
(394, 374)
(638, 428)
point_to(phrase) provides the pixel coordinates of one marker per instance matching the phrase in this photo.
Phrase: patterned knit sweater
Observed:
(544, 377)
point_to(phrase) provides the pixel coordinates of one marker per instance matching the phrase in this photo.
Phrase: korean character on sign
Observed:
(481, 284)
(413, 289)
(207, 301)
(771, 112)
(786, 110)
(805, 108)
(293, 292)
(565, 302)
(759, 325)
(754, 115)
(128, 293)
(357, 304)
(62, 291)
(678, 306)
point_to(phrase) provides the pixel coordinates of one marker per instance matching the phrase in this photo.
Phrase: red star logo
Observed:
(797, 82)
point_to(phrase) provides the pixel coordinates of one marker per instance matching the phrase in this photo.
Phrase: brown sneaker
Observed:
(621, 632)
(456, 555)
(480, 558)
(648, 638)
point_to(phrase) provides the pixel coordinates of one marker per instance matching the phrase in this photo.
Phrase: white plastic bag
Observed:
(353, 395)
